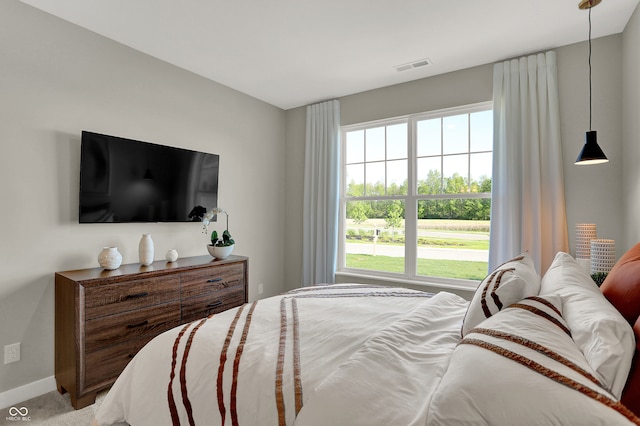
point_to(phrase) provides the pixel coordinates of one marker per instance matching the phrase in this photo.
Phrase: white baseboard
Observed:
(28, 391)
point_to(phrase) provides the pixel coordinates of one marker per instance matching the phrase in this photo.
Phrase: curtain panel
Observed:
(527, 202)
(321, 193)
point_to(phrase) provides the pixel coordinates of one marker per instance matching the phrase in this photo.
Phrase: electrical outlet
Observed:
(260, 288)
(12, 353)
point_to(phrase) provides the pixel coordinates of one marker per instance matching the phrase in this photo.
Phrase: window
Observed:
(416, 196)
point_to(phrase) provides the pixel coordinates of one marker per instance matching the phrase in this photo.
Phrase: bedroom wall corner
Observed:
(294, 188)
(631, 129)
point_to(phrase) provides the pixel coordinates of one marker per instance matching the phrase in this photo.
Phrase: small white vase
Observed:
(172, 255)
(145, 250)
(110, 258)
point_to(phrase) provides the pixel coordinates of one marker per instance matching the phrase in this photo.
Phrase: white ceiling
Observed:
(296, 52)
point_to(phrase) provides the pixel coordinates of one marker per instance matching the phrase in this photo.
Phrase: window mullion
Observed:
(342, 223)
(469, 153)
(411, 203)
(441, 155)
(411, 236)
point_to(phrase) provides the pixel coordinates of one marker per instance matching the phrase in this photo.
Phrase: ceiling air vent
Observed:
(415, 64)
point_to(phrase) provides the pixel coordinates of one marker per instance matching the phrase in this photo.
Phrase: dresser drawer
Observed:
(105, 365)
(112, 299)
(197, 282)
(212, 303)
(107, 331)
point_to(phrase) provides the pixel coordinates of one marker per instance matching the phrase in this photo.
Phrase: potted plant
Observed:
(220, 248)
(599, 277)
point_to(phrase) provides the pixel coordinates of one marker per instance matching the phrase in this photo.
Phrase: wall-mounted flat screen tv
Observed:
(124, 180)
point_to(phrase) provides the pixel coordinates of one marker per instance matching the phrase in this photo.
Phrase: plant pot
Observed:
(218, 252)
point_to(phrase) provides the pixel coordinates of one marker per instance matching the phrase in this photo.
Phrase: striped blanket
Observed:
(326, 355)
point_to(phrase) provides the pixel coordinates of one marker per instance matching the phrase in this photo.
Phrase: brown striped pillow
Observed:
(521, 367)
(508, 283)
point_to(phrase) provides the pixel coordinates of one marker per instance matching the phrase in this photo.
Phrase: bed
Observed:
(525, 350)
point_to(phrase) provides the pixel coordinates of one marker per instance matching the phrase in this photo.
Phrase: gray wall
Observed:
(631, 129)
(57, 79)
(593, 193)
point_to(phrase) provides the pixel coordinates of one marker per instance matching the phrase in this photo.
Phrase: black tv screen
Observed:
(123, 180)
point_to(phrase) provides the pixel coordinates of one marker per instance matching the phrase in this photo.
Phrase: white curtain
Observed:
(321, 186)
(527, 202)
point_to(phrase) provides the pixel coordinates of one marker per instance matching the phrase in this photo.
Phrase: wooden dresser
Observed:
(103, 318)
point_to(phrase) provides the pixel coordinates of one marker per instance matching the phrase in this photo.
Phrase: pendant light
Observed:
(591, 152)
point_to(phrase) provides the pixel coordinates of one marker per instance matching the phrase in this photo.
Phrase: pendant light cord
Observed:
(589, 69)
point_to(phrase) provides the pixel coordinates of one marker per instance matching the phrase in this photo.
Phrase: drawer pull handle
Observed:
(214, 280)
(140, 324)
(214, 304)
(137, 295)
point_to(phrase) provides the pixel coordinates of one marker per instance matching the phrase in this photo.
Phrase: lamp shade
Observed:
(591, 152)
(585, 232)
(603, 255)
(588, 4)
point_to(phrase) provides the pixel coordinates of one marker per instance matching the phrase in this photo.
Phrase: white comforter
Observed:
(333, 345)
(333, 355)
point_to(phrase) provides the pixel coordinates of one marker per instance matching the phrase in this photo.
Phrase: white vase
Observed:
(110, 258)
(172, 255)
(145, 250)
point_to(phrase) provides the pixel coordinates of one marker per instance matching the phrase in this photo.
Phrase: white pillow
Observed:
(500, 375)
(600, 331)
(508, 283)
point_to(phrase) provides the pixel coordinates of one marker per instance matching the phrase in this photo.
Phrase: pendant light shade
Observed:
(591, 152)
(588, 4)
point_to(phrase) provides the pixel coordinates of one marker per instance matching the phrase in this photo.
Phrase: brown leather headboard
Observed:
(631, 393)
(622, 289)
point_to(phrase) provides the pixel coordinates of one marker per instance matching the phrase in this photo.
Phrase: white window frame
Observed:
(410, 275)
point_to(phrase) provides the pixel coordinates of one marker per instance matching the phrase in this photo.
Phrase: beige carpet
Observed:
(52, 409)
